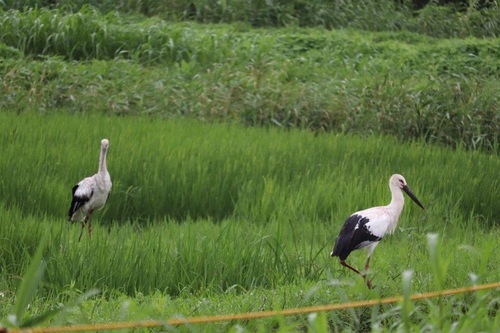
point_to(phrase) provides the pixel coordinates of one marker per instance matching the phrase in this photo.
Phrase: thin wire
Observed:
(245, 316)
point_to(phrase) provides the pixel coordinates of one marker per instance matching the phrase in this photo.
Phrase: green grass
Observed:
(474, 18)
(237, 153)
(400, 84)
(228, 171)
(209, 219)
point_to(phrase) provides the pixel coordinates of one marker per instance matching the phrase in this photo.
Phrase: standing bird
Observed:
(91, 193)
(366, 228)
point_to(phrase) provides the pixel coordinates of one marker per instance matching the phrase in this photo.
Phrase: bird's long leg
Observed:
(81, 231)
(350, 267)
(89, 215)
(368, 282)
(367, 266)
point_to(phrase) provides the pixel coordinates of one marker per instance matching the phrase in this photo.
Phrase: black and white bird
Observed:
(91, 193)
(366, 228)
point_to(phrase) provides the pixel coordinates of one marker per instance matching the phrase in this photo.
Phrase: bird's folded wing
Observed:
(85, 188)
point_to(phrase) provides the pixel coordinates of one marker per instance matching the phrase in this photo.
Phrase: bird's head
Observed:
(398, 181)
(104, 143)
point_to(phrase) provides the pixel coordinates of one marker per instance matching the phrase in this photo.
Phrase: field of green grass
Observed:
(238, 147)
(231, 216)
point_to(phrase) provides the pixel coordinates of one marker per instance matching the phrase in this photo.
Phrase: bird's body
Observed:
(91, 193)
(366, 228)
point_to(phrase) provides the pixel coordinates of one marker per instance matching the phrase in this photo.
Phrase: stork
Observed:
(91, 193)
(366, 228)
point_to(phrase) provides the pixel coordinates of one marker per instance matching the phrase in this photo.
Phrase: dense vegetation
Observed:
(457, 18)
(196, 173)
(202, 211)
(402, 84)
(215, 208)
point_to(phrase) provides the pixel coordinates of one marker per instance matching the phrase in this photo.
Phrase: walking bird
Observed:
(91, 193)
(366, 228)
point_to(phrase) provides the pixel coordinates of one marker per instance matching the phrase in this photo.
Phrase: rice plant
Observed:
(202, 209)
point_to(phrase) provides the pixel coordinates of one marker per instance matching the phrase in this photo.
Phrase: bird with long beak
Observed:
(91, 193)
(366, 228)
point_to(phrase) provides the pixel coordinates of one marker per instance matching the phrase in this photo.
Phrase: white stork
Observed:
(91, 193)
(367, 227)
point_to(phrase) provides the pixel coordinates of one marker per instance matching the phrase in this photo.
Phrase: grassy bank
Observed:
(400, 84)
(470, 18)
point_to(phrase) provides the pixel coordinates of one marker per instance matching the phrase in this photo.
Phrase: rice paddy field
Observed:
(236, 154)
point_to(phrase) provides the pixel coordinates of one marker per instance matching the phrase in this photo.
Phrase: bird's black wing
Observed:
(353, 235)
(77, 201)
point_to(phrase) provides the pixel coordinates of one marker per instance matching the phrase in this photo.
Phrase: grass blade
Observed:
(30, 282)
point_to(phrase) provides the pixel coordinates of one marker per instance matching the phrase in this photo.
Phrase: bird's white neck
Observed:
(102, 161)
(395, 207)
